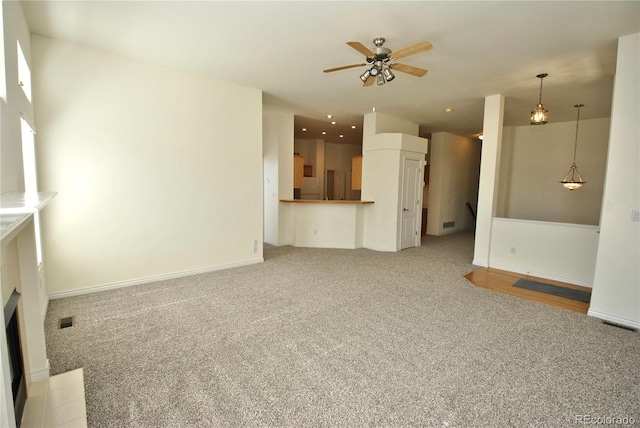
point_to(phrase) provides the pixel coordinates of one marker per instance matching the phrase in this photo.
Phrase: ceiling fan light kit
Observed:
(383, 60)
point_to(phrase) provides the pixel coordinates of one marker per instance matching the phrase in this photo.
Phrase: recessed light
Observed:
(341, 135)
(304, 129)
(329, 116)
(333, 122)
(324, 132)
(448, 109)
(353, 127)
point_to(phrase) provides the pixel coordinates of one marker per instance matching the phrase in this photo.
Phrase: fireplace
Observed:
(16, 366)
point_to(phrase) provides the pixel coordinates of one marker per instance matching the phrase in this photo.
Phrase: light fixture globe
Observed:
(573, 180)
(539, 114)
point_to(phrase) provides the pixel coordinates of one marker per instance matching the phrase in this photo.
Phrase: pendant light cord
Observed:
(575, 145)
(540, 99)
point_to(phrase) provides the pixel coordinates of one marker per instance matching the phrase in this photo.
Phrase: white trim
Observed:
(482, 263)
(543, 275)
(146, 280)
(40, 374)
(381, 249)
(614, 319)
(45, 307)
(326, 245)
(546, 223)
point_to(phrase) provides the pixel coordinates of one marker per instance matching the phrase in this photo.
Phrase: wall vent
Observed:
(66, 322)
(448, 224)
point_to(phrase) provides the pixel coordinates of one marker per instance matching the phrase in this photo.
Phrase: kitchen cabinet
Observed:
(298, 171)
(356, 173)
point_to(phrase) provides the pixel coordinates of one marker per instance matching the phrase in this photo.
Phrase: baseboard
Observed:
(45, 307)
(481, 263)
(146, 280)
(380, 249)
(40, 374)
(543, 275)
(325, 245)
(614, 319)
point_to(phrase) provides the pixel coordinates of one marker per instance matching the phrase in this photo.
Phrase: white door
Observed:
(410, 201)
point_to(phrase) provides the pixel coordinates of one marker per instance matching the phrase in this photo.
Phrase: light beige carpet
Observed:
(323, 337)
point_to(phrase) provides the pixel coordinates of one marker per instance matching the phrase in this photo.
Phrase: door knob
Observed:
(405, 209)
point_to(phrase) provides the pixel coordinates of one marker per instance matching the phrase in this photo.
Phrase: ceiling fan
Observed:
(383, 61)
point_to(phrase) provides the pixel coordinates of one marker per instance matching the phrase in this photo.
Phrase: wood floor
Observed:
(502, 281)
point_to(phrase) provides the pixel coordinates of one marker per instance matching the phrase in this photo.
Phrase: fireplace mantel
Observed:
(18, 215)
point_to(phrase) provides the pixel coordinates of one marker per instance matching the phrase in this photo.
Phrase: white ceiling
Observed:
(480, 48)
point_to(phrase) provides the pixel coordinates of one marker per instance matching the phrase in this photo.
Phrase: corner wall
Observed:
(616, 286)
(13, 104)
(159, 172)
(278, 175)
(383, 156)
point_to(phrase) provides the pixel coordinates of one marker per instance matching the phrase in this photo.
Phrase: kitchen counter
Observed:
(326, 224)
(323, 201)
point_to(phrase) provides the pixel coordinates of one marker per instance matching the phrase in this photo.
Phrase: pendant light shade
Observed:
(539, 114)
(573, 180)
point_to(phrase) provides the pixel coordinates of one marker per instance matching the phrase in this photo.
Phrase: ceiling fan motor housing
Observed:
(382, 53)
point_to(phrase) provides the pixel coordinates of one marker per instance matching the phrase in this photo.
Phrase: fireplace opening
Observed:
(16, 364)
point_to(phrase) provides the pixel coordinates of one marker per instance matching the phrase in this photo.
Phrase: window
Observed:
(24, 73)
(3, 76)
(30, 177)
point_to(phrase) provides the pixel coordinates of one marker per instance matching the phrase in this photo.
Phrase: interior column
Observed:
(489, 174)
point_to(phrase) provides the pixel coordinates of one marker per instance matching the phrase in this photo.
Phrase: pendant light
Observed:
(573, 180)
(539, 114)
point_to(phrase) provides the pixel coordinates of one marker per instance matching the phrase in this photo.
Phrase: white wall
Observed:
(278, 175)
(338, 158)
(536, 159)
(559, 251)
(492, 129)
(616, 287)
(383, 156)
(379, 123)
(381, 178)
(455, 171)
(159, 172)
(13, 104)
(314, 155)
(327, 225)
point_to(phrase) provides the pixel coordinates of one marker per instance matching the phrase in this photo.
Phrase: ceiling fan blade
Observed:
(361, 48)
(415, 71)
(344, 67)
(411, 50)
(369, 81)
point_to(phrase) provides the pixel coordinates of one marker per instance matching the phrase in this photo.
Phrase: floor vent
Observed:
(448, 224)
(624, 327)
(66, 322)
